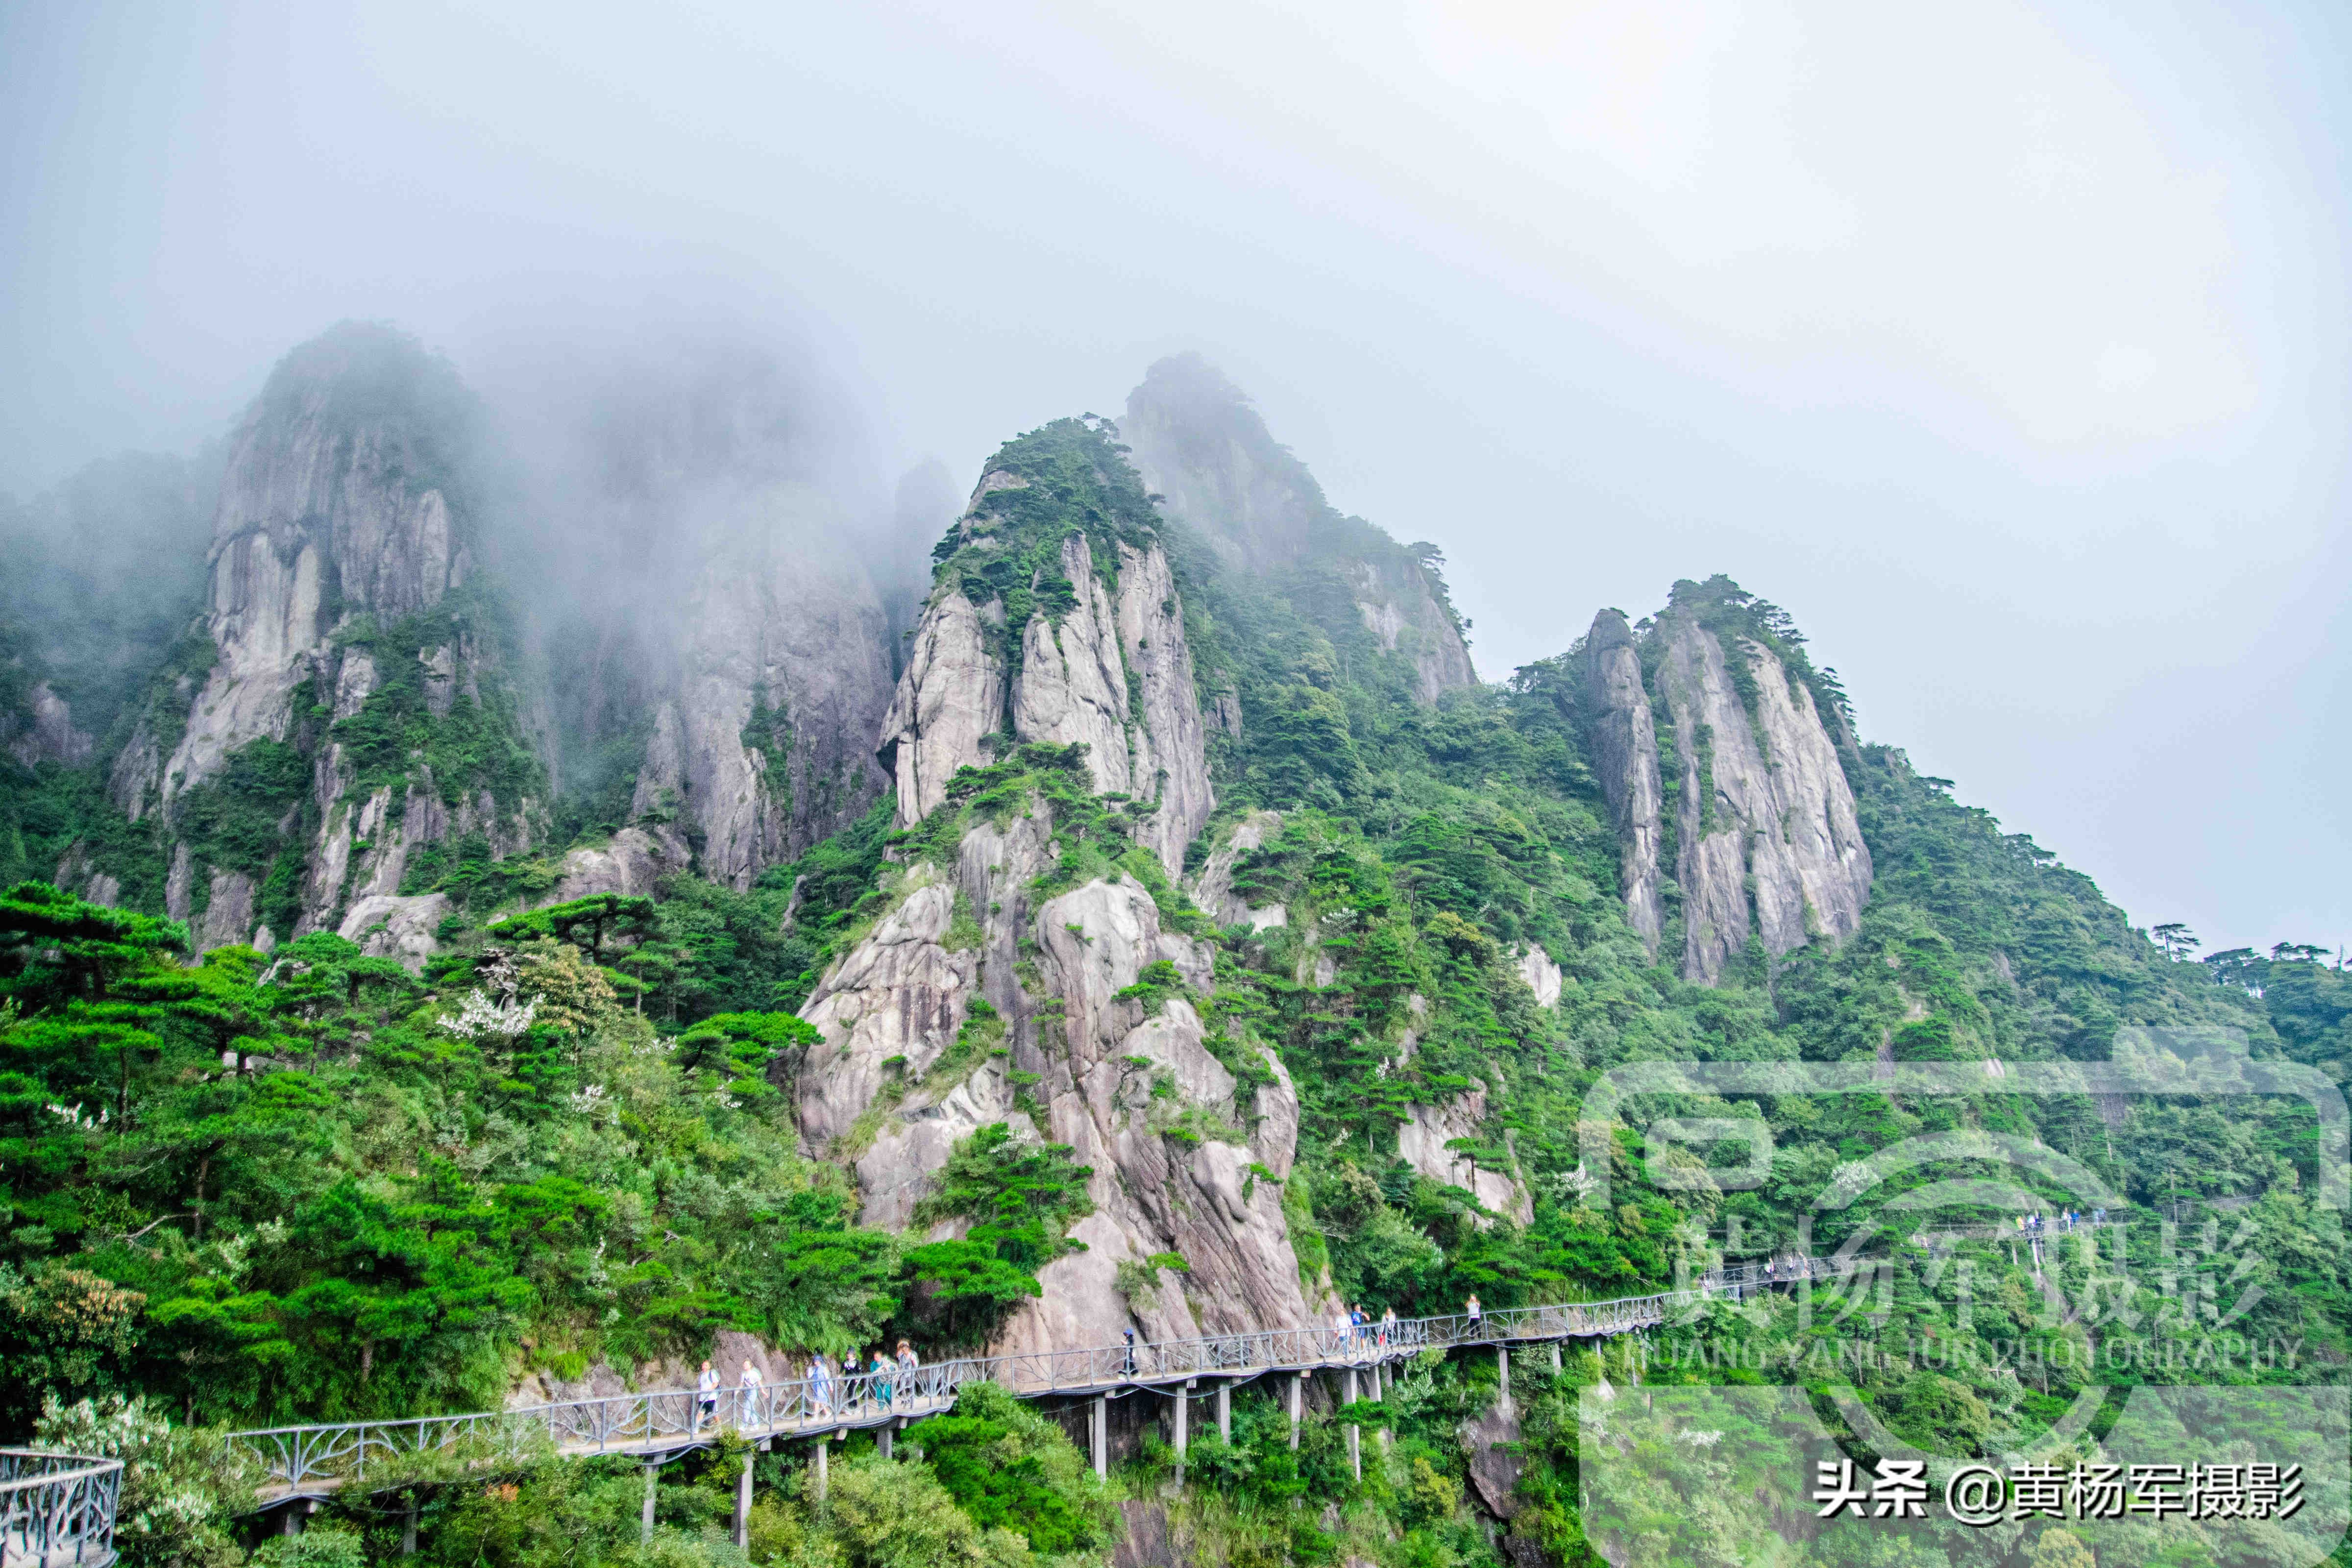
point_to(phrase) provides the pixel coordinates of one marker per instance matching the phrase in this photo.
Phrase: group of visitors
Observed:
(829, 1390)
(2037, 1224)
(1358, 1327)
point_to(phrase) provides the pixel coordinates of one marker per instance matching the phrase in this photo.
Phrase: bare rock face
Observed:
(48, 734)
(631, 863)
(1113, 672)
(388, 926)
(327, 511)
(1213, 890)
(1542, 975)
(951, 699)
(1762, 795)
(911, 1063)
(1625, 755)
(1421, 1143)
(785, 668)
(1488, 1438)
(1207, 454)
(1169, 762)
(1395, 600)
(1072, 687)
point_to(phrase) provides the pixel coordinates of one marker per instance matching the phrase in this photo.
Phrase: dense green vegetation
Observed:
(249, 1187)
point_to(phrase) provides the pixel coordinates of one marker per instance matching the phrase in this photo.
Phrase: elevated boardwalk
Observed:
(310, 1461)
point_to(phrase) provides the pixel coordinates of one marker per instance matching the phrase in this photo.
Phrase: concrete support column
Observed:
(822, 1445)
(1099, 1430)
(645, 1516)
(1184, 1420)
(1555, 1355)
(1298, 1393)
(882, 1441)
(1355, 1432)
(744, 1504)
(1503, 1373)
(408, 1528)
(1225, 1411)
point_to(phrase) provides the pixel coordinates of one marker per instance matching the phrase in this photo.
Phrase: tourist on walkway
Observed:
(820, 1377)
(706, 1396)
(1128, 1334)
(883, 1369)
(1475, 1313)
(908, 1362)
(1388, 1326)
(751, 1385)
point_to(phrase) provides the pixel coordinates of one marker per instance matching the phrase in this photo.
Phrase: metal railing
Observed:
(57, 1509)
(321, 1457)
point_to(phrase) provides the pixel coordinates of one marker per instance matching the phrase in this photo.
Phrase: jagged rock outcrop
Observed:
(1625, 755)
(1207, 454)
(47, 732)
(949, 701)
(328, 510)
(1763, 797)
(631, 863)
(1213, 890)
(1111, 670)
(388, 926)
(341, 539)
(785, 668)
(1421, 1143)
(909, 1065)
(1542, 975)
(1491, 1441)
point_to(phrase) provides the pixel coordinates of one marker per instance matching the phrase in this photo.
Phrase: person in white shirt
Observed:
(750, 1393)
(706, 1394)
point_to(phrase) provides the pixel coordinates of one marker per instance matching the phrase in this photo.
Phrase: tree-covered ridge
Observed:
(312, 1183)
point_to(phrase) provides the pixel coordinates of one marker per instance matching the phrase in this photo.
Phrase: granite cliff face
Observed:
(717, 652)
(1110, 669)
(1205, 452)
(757, 750)
(344, 543)
(925, 1030)
(1766, 840)
(1625, 755)
(330, 511)
(975, 1001)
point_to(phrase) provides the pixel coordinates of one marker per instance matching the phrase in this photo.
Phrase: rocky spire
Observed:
(1625, 755)
(1039, 628)
(1763, 798)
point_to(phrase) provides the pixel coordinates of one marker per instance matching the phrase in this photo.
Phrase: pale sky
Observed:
(2007, 346)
